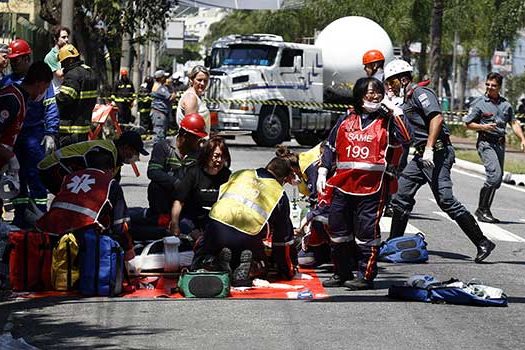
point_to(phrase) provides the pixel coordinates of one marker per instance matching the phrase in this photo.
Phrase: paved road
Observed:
(346, 320)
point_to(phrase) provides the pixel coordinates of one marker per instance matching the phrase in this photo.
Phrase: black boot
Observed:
(399, 223)
(359, 284)
(471, 228)
(486, 195)
(341, 259)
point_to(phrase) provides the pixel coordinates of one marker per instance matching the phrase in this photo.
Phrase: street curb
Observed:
(508, 178)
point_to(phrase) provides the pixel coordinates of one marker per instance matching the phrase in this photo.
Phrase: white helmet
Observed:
(397, 67)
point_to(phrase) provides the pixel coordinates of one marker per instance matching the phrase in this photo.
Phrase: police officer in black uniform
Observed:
(489, 116)
(432, 161)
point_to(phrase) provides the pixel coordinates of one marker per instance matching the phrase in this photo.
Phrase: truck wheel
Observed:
(272, 128)
(307, 138)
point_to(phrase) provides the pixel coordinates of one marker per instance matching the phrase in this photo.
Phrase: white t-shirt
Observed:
(202, 110)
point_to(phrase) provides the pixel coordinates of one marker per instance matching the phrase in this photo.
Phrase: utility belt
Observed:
(483, 136)
(438, 147)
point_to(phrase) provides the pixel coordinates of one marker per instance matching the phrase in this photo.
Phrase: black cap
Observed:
(133, 139)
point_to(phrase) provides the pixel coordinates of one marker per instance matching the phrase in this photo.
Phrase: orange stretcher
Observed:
(101, 114)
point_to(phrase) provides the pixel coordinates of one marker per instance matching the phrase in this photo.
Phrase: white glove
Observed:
(391, 105)
(428, 158)
(13, 167)
(321, 179)
(49, 143)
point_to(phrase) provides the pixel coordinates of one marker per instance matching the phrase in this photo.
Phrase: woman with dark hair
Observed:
(199, 188)
(365, 148)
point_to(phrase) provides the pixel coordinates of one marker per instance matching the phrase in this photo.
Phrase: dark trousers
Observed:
(415, 175)
(65, 139)
(354, 222)
(492, 155)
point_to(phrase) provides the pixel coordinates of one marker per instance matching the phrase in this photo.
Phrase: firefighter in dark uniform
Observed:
(251, 204)
(489, 116)
(77, 97)
(144, 104)
(359, 147)
(432, 161)
(169, 162)
(123, 96)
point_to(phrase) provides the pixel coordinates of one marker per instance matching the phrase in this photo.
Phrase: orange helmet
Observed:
(194, 123)
(372, 56)
(18, 47)
(123, 72)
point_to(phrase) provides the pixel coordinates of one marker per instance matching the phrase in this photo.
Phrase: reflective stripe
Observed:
(20, 200)
(88, 94)
(69, 91)
(49, 101)
(372, 243)
(250, 204)
(282, 244)
(320, 218)
(360, 166)
(121, 221)
(341, 239)
(74, 129)
(40, 200)
(76, 208)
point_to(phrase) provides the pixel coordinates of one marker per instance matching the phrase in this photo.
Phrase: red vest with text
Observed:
(361, 156)
(8, 137)
(79, 203)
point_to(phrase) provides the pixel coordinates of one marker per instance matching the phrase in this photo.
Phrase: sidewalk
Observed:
(510, 154)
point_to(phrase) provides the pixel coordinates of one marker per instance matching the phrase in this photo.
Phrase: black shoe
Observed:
(241, 275)
(359, 284)
(389, 211)
(485, 216)
(223, 260)
(336, 281)
(484, 249)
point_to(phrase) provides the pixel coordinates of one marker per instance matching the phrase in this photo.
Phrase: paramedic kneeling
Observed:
(89, 198)
(251, 204)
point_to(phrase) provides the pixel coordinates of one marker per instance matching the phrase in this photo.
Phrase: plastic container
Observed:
(305, 295)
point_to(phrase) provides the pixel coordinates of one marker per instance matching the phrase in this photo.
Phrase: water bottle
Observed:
(305, 295)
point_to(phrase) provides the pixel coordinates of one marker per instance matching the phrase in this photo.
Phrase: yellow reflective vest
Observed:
(246, 201)
(305, 160)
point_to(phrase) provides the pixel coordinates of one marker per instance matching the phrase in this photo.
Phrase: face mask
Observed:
(134, 158)
(371, 106)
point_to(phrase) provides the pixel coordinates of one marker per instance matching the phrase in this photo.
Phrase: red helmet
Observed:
(194, 123)
(123, 71)
(18, 47)
(372, 56)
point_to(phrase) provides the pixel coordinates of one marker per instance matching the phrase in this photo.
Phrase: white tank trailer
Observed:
(295, 78)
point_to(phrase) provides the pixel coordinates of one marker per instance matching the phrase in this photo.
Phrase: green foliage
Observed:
(515, 87)
(191, 52)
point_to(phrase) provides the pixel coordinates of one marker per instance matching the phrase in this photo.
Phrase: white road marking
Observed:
(522, 220)
(385, 226)
(512, 187)
(492, 231)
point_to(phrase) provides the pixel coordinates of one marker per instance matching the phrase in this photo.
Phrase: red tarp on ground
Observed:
(164, 287)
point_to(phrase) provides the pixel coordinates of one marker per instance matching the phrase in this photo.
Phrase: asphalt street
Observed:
(345, 320)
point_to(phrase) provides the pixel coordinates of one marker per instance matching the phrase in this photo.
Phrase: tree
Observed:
(435, 37)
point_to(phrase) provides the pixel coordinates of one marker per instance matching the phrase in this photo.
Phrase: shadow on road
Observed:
(47, 331)
(449, 255)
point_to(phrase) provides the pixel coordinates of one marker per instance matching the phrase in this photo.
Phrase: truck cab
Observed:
(263, 85)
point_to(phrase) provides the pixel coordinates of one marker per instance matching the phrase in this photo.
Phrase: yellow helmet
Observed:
(67, 51)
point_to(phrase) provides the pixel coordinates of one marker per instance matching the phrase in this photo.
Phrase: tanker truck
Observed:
(273, 89)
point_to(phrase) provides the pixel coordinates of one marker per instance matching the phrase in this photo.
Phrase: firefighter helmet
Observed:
(372, 56)
(194, 123)
(18, 47)
(123, 72)
(67, 51)
(396, 67)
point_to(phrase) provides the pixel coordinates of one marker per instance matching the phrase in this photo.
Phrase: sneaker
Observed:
(359, 284)
(306, 259)
(223, 260)
(241, 275)
(336, 281)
